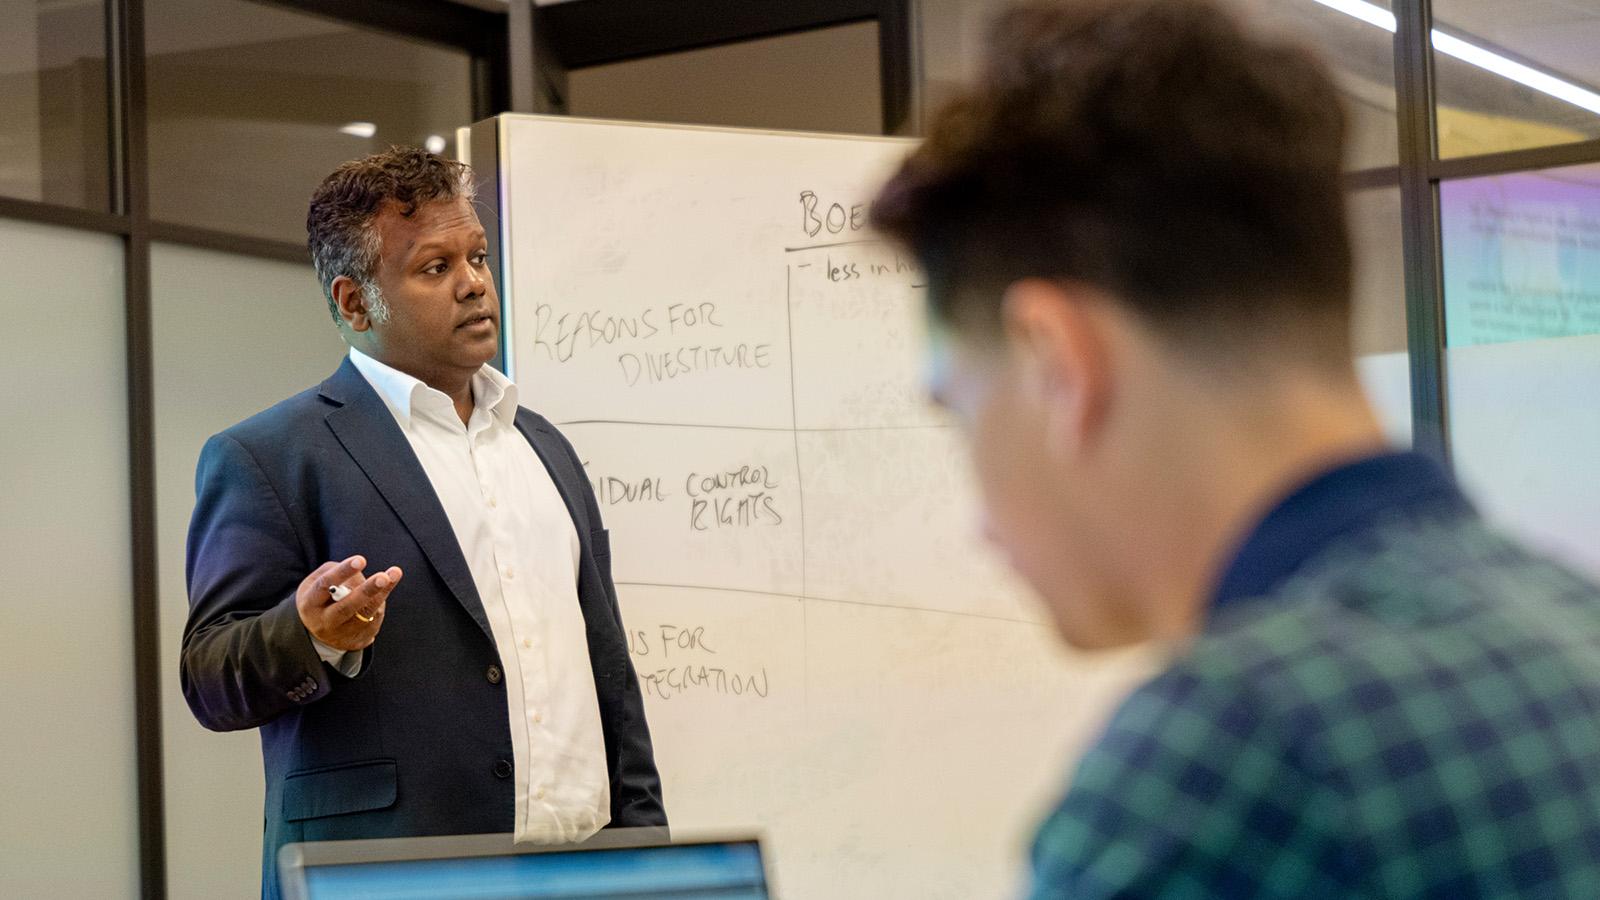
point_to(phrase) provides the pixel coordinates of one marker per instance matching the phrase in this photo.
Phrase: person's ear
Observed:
(1060, 347)
(350, 300)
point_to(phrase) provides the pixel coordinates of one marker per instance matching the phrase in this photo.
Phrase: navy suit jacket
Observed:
(418, 742)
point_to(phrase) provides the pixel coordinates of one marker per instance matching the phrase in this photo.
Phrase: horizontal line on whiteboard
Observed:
(834, 244)
(780, 430)
(729, 590)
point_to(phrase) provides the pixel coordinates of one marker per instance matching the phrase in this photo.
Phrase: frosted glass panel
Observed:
(1526, 432)
(68, 776)
(1522, 314)
(1386, 377)
(1379, 314)
(232, 336)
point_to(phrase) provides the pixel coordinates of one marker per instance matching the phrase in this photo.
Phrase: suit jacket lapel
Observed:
(601, 622)
(560, 469)
(369, 433)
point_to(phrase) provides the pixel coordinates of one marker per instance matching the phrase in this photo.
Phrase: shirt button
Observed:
(538, 718)
(493, 674)
(502, 768)
(510, 572)
(527, 642)
(493, 502)
(539, 794)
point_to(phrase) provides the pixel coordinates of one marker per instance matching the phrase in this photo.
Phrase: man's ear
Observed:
(351, 302)
(1057, 338)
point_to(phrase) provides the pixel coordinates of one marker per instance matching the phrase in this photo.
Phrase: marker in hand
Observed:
(340, 592)
(342, 608)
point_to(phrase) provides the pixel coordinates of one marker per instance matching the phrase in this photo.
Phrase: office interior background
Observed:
(155, 161)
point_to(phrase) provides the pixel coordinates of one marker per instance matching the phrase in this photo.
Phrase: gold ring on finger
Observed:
(365, 618)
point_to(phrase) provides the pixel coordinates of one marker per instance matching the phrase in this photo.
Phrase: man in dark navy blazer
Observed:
(400, 576)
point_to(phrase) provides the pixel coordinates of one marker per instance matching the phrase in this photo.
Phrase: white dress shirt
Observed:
(522, 548)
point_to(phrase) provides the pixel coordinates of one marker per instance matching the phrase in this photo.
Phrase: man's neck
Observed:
(455, 385)
(1240, 454)
(459, 391)
(463, 402)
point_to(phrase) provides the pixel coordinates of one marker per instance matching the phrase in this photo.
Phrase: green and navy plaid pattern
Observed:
(1414, 713)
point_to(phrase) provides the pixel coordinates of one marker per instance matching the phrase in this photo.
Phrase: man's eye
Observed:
(435, 269)
(479, 259)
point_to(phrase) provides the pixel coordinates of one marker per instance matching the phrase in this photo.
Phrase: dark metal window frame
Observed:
(1416, 110)
(1418, 176)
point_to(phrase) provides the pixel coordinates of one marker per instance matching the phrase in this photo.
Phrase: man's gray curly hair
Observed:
(339, 225)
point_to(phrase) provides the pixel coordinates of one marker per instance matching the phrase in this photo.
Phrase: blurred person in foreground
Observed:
(1140, 287)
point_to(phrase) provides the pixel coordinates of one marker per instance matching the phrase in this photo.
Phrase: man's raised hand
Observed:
(351, 623)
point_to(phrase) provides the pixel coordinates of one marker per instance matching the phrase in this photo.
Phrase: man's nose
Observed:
(472, 286)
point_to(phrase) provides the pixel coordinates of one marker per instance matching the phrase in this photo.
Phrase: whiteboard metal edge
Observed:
(481, 154)
(503, 200)
(721, 129)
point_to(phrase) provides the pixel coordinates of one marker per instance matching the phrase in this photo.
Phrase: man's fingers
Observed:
(375, 614)
(319, 575)
(369, 596)
(340, 573)
(378, 586)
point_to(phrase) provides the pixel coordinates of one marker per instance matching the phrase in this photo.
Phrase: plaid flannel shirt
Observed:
(1389, 700)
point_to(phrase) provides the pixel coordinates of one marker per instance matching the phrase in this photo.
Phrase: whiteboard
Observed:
(828, 654)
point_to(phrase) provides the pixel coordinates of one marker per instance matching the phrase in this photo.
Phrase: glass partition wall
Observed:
(155, 159)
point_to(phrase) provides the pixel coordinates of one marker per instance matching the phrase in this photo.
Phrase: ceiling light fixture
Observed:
(1488, 60)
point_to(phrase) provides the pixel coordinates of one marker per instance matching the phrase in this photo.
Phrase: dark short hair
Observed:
(339, 224)
(1152, 148)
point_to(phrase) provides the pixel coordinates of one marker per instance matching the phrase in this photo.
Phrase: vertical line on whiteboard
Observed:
(794, 422)
(800, 483)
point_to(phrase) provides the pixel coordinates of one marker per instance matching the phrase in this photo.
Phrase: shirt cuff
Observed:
(346, 662)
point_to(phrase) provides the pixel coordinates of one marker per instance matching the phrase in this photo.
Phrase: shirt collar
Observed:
(1336, 503)
(406, 395)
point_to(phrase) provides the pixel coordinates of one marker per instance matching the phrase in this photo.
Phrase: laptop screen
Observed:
(712, 871)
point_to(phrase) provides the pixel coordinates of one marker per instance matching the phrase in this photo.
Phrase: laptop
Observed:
(614, 864)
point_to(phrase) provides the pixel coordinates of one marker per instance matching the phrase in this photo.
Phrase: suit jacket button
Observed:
(493, 675)
(502, 768)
